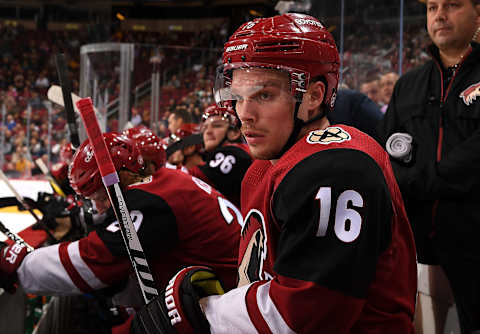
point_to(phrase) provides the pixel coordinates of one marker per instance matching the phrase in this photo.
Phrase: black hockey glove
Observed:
(52, 206)
(177, 309)
(11, 256)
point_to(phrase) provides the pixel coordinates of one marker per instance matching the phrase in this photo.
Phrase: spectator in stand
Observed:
(432, 131)
(11, 123)
(197, 115)
(136, 118)
(37, 147)
(174, 82)
(8, 148)
(387, 82)
(42, 81)
(20, 162)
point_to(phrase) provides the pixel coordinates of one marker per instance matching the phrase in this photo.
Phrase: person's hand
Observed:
(11, 256)
(177, 309)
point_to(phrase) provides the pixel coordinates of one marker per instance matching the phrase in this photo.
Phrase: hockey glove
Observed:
(177, 309)
(11, 256)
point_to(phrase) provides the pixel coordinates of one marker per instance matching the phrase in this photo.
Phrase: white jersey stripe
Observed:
(227, 314)
(83, 270)
(269, 311)
(42, 272)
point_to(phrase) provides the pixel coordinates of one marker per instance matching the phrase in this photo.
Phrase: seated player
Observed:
(227, 157)
(180, 221)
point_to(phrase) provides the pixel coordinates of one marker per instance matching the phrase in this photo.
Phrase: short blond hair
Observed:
(474, 2)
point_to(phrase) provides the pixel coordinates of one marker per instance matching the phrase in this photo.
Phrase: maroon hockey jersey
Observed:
(224, 169)
(326, 246)
(180, 221)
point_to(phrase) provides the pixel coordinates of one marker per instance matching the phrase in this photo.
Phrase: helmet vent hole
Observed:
(277, 47)
(244, 33)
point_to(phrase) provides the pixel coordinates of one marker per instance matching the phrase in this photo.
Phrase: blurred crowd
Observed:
(32, 129)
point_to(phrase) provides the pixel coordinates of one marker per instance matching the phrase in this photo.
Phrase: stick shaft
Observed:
(25, 204)
(17, 195)
(67, 98)
(112, 184)
(15, 237)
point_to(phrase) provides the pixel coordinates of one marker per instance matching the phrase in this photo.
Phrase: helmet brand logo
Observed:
(249, 25)
(299, 79)
(239, 47)
(89, 156)
(309, 22)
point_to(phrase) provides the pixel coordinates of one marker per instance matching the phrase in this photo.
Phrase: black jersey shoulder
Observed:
(350, 190)
(158, 227)
(225, 167)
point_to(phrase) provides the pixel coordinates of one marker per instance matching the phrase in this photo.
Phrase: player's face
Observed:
(214, 131)
(100, 199)
(176, 158)
(174, 123)
(265, 107)
(150, 168)
(451, 23)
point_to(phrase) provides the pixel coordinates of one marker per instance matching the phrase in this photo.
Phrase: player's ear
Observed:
(312, 101)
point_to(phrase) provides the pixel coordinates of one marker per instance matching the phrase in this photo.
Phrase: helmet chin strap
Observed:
(298, 125)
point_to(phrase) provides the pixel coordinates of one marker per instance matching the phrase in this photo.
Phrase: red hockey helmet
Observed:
(136, 130)
(149, 144)
(187, 135)
(84, 175)
(225, 113)
(184, 131)
(296, 44)
(66, 153)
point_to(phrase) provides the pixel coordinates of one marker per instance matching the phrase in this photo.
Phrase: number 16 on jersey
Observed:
(347, 221)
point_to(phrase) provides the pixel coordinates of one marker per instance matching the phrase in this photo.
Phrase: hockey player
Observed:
(60, 170)
(188, 141)
(226, 157)
(326, 246)
(179, 219)
(150, 147)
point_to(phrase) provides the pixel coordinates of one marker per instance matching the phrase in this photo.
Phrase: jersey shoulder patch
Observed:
(329, 135)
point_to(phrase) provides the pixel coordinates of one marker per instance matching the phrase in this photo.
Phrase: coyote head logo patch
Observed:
(471, 93)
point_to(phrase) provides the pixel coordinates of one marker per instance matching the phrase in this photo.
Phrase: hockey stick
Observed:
(67, 98)
(25, 204)
(55, 95)
(112, 185)
(44, 169)
(15, 237)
